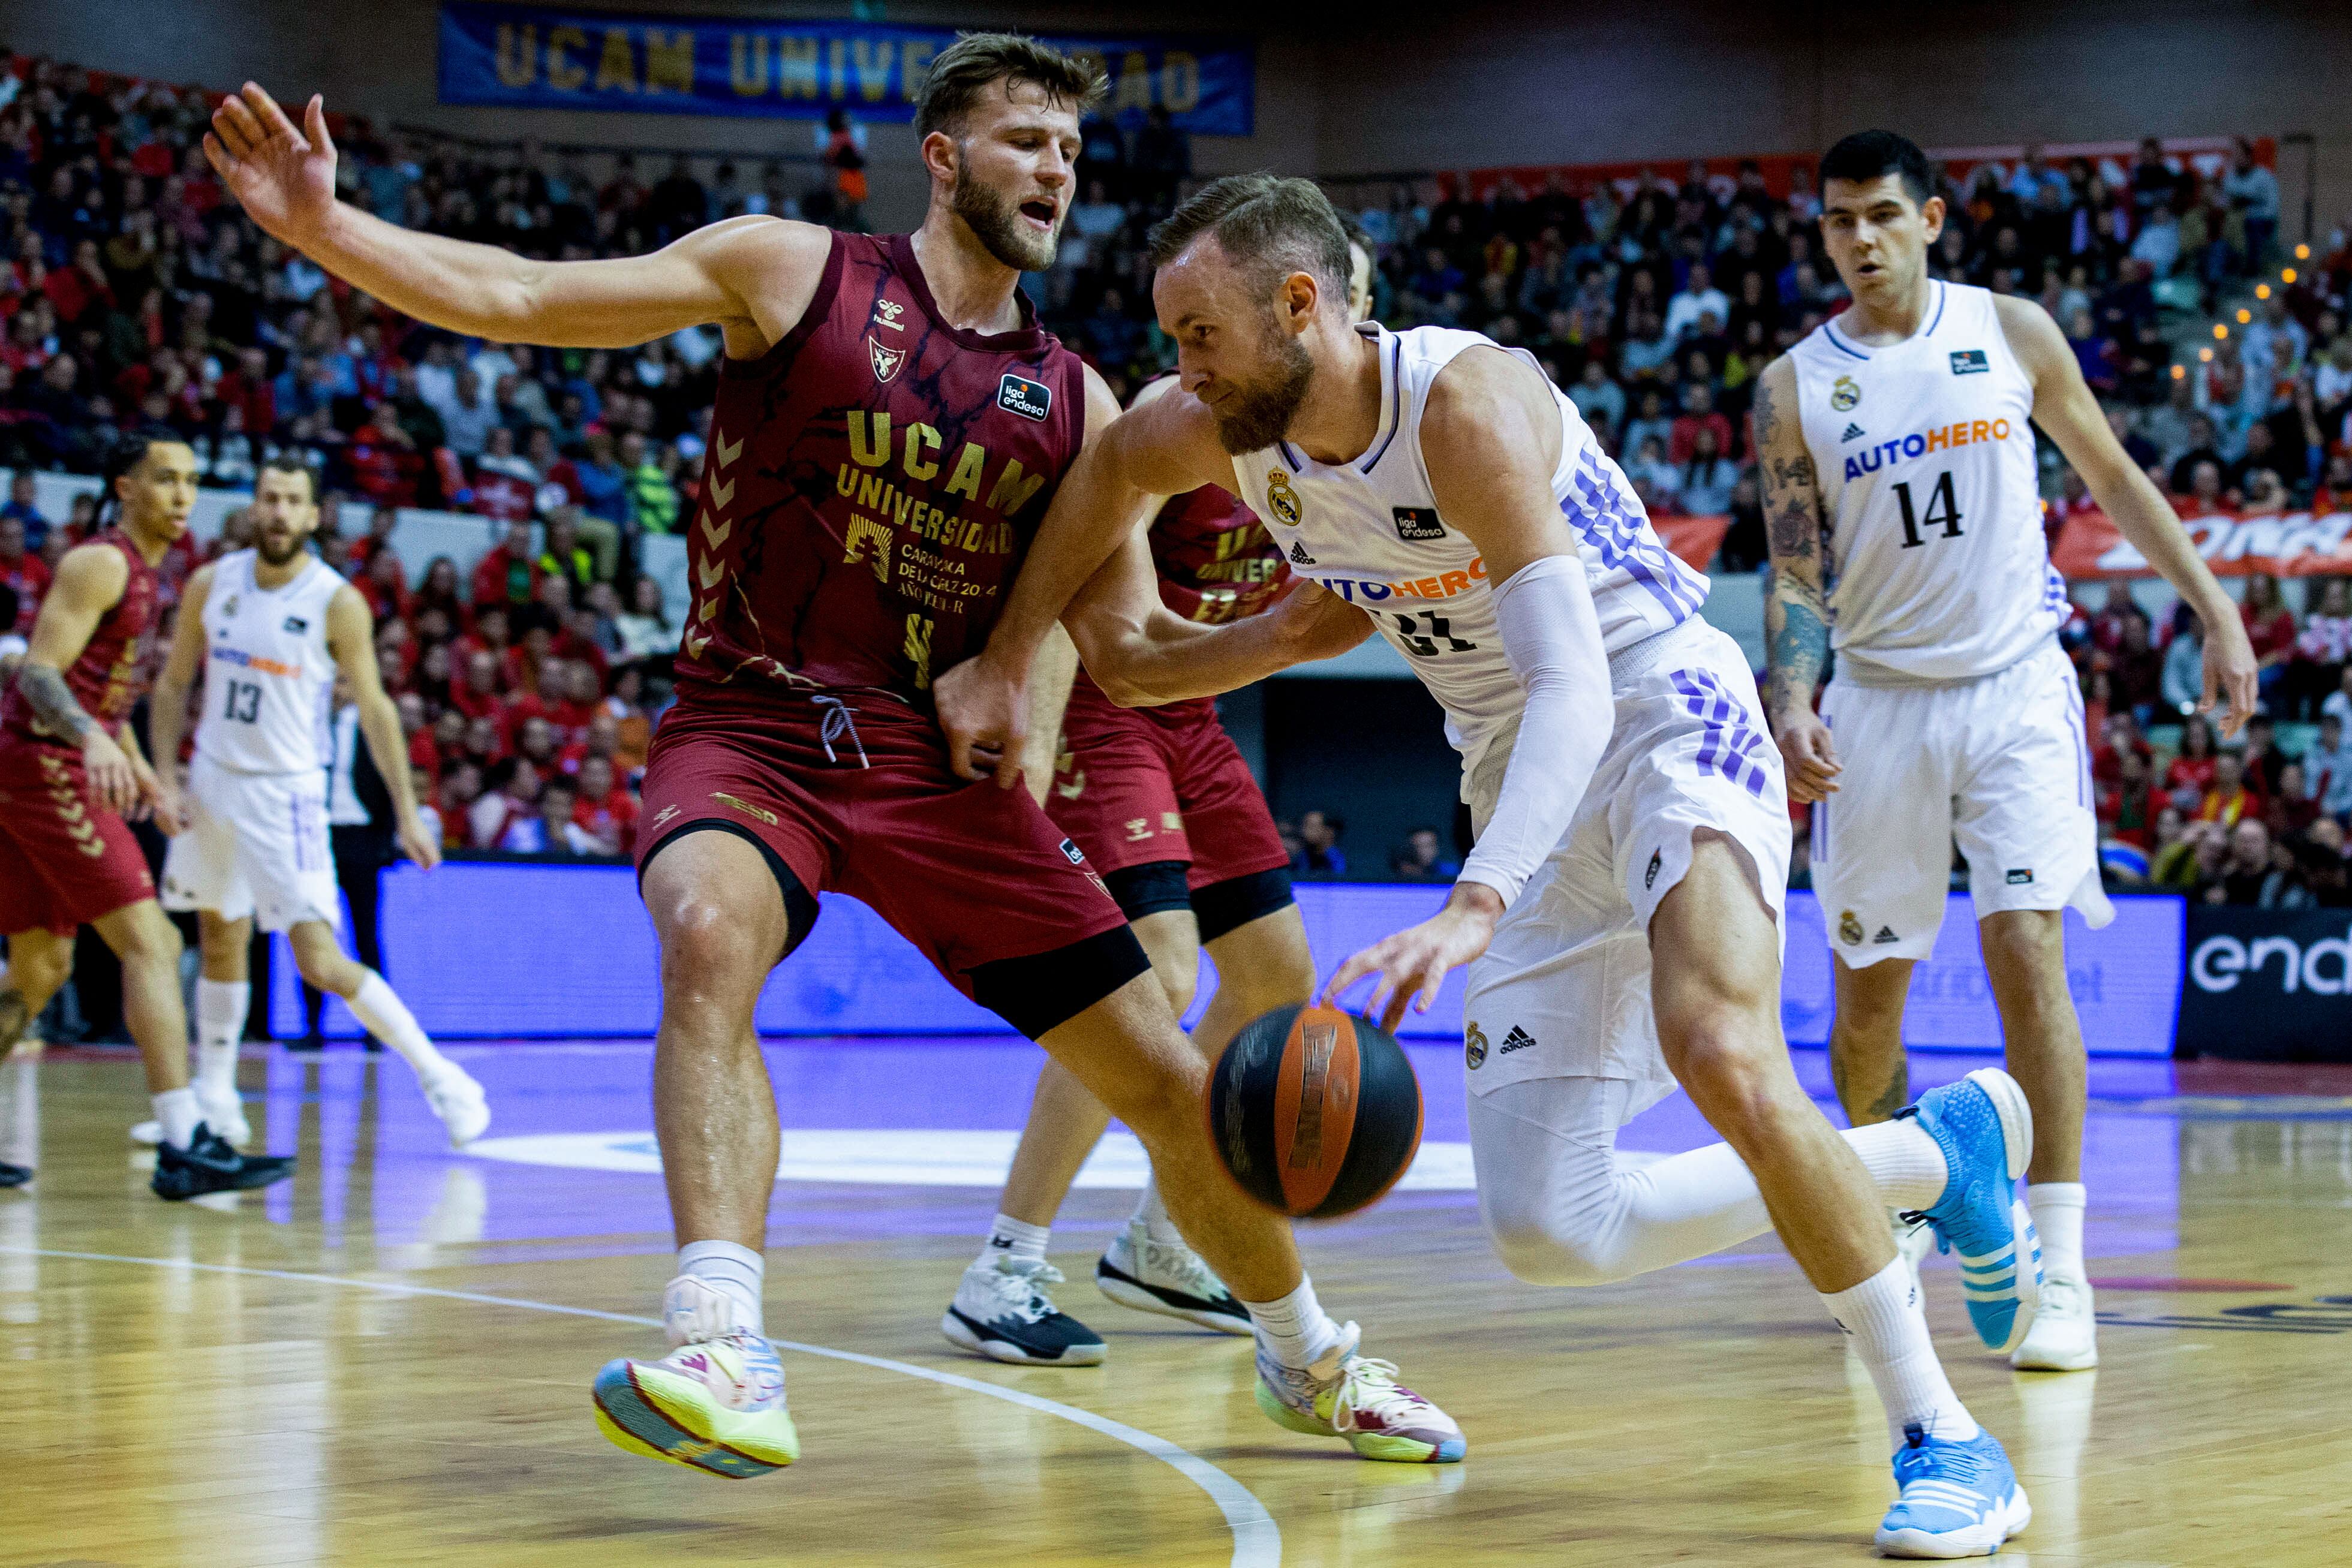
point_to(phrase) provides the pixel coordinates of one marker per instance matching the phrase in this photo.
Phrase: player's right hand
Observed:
(420, 845)
(1808, 754)
(164, 800)
(985, 713)
(283, 177)
(113, 783)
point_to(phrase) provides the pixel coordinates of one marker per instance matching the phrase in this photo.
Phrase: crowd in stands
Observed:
(132, 293)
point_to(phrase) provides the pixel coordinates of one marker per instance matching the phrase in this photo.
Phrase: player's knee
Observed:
(1542, 1247)
(1178, 989)
(37, 975)
(702, 941)
(1158, 1093)
(1725, 1061)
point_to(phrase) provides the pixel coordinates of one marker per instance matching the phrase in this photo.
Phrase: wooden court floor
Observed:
(387, 1361)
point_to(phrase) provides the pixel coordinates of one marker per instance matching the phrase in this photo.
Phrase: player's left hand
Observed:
(985, 713)
(1410, 966)
(419, 845)
(155, 799)
(2232, 675)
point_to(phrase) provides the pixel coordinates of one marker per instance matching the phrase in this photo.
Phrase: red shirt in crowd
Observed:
(2275, 633)
(613, 819)
(2195, 772)
(29, 574)
(501, 578)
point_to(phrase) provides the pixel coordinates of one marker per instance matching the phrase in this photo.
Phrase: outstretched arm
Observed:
(90, 582)
(2066, 409)
(1796, 610)
(351, 642)
(752, 276)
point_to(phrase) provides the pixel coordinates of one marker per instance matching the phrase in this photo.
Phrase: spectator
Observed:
(2193, 770)
(2327, 768)
(2262, 762)
(1700, 298)
(645, 631)
(2339, 700)
(1702, 484)
(653, 497)
(2183, 686)
(605, 811)
(25, 574)
(2252, 193)
(1601, 401)
(24, 509)
(509, 804)
(468, 415)
(507, 572)
(1421, 859)
(2227, 800)
(2270, 626)
(1320, 854)
(2322, 649)
(2245, 876)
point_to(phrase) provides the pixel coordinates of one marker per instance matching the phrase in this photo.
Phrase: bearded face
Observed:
(1008, 230)
(278, 543)
(1259, 411)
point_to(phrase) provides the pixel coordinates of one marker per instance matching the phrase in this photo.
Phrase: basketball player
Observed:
(890, 425)
(1164, 807)
(263, 631)
(70, 770)
(1898, 456)
(1620, 910)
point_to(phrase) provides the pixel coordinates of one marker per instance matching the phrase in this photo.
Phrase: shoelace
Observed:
(1915, 1218)
(838, 722)
(1035, 1276)
(1368, 1383)
(1960, 1465)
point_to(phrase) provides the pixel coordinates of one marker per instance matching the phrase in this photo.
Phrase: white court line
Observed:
(1257, 1541)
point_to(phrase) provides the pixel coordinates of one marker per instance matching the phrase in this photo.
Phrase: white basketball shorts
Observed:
(1999, 763)
(1563, 992)
(256, 844)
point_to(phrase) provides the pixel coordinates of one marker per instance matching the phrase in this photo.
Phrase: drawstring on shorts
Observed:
(838, 722)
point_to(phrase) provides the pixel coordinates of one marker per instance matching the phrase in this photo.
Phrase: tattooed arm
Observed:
(1796, 609)
(89, 579)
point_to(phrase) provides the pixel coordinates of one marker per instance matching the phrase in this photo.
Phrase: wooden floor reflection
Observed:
(386, 1361)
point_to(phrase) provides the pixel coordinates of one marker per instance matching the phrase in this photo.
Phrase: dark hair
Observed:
(975, 61)
(124, 455)
(1359, 238)
(1869, 154)
(288, 462)
(1273, 225)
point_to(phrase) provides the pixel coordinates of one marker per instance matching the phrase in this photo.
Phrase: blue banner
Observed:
(530, 57)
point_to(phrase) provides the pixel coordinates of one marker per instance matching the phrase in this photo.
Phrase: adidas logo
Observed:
(1298, 556)
(1886, 935)
(1518, 1040)
(1852, 433)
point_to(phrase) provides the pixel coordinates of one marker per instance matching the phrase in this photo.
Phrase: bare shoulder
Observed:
(198, 589)
(92, 574)
(1168, 443)
(1154, 390)
(774, 265)
(1489, 408)
(2031, 335)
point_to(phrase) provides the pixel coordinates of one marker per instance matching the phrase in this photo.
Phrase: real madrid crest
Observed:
(1843, 394)
(1850, 928)
(1473, 1046)
(1280, 499)
(887, 361)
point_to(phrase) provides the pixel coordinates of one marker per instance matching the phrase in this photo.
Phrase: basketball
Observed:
(1316, 1111)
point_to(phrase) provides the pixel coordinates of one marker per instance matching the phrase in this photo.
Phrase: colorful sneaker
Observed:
(715, 1403)
(1001, 1311)
(1349, 1395)
(1956, 1500)
(2066, 1333)
(208, 1165)
(222, 1109)
(459, 1100)
(1168, 1279)
(1986, 1131)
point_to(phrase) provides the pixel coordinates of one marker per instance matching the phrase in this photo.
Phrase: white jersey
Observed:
(1923, 451)
(1369, 531)
(268, 678)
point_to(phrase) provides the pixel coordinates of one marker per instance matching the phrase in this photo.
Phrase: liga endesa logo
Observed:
(2294, 544)
(2323, 967)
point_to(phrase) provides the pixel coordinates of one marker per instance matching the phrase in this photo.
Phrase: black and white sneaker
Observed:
(1168, 1278)
(209, 1165)
(15, 1176)
(1002, 1312)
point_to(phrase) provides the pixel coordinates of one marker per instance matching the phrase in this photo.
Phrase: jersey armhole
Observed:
(820, 308)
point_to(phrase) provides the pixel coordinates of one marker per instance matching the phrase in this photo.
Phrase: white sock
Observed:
(1150, 1210)
(1024, 1242)
(2057, 1208)
(1906, 1163)
(735, 1271)
(1883, 1318)
(220, 1022)
(176, 1109)
(1296, 1329)
(383, 1015)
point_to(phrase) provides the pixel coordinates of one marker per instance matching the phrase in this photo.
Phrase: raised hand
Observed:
(283, 177)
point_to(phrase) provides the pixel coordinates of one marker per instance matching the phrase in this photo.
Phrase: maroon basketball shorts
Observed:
(64, 860)
(854, 795)
(1160, 800)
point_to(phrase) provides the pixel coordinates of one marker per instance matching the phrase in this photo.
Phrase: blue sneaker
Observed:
(1957, 1500)
(1986, 1130)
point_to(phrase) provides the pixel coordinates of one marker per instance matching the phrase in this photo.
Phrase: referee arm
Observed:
(1796, 609)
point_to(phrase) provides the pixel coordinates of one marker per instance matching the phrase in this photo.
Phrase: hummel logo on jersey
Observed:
(1886, 935)
(1853, 432)
(1970, 362)
(2020, 876)
(1418, 523)
(1298, 556)
(296, 624)
(885, 314)
(1030, 400)
(1518, 1040)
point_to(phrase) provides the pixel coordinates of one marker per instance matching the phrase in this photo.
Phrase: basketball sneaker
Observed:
(459, 1100)
(1168, 1279)
(2066, 1333)
(1354, 1396)
(221, 1108)
(1001, 1311)
(715, 1403)
(1986, 1131)
(1914, 1239)
(1954, 1499)
(209, 1165)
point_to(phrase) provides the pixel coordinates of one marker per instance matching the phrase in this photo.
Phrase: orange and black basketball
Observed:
(1316, 1111)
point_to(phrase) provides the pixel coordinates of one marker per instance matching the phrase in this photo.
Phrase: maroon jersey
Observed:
(1215, 560)
(871, 485)
(104, 679)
